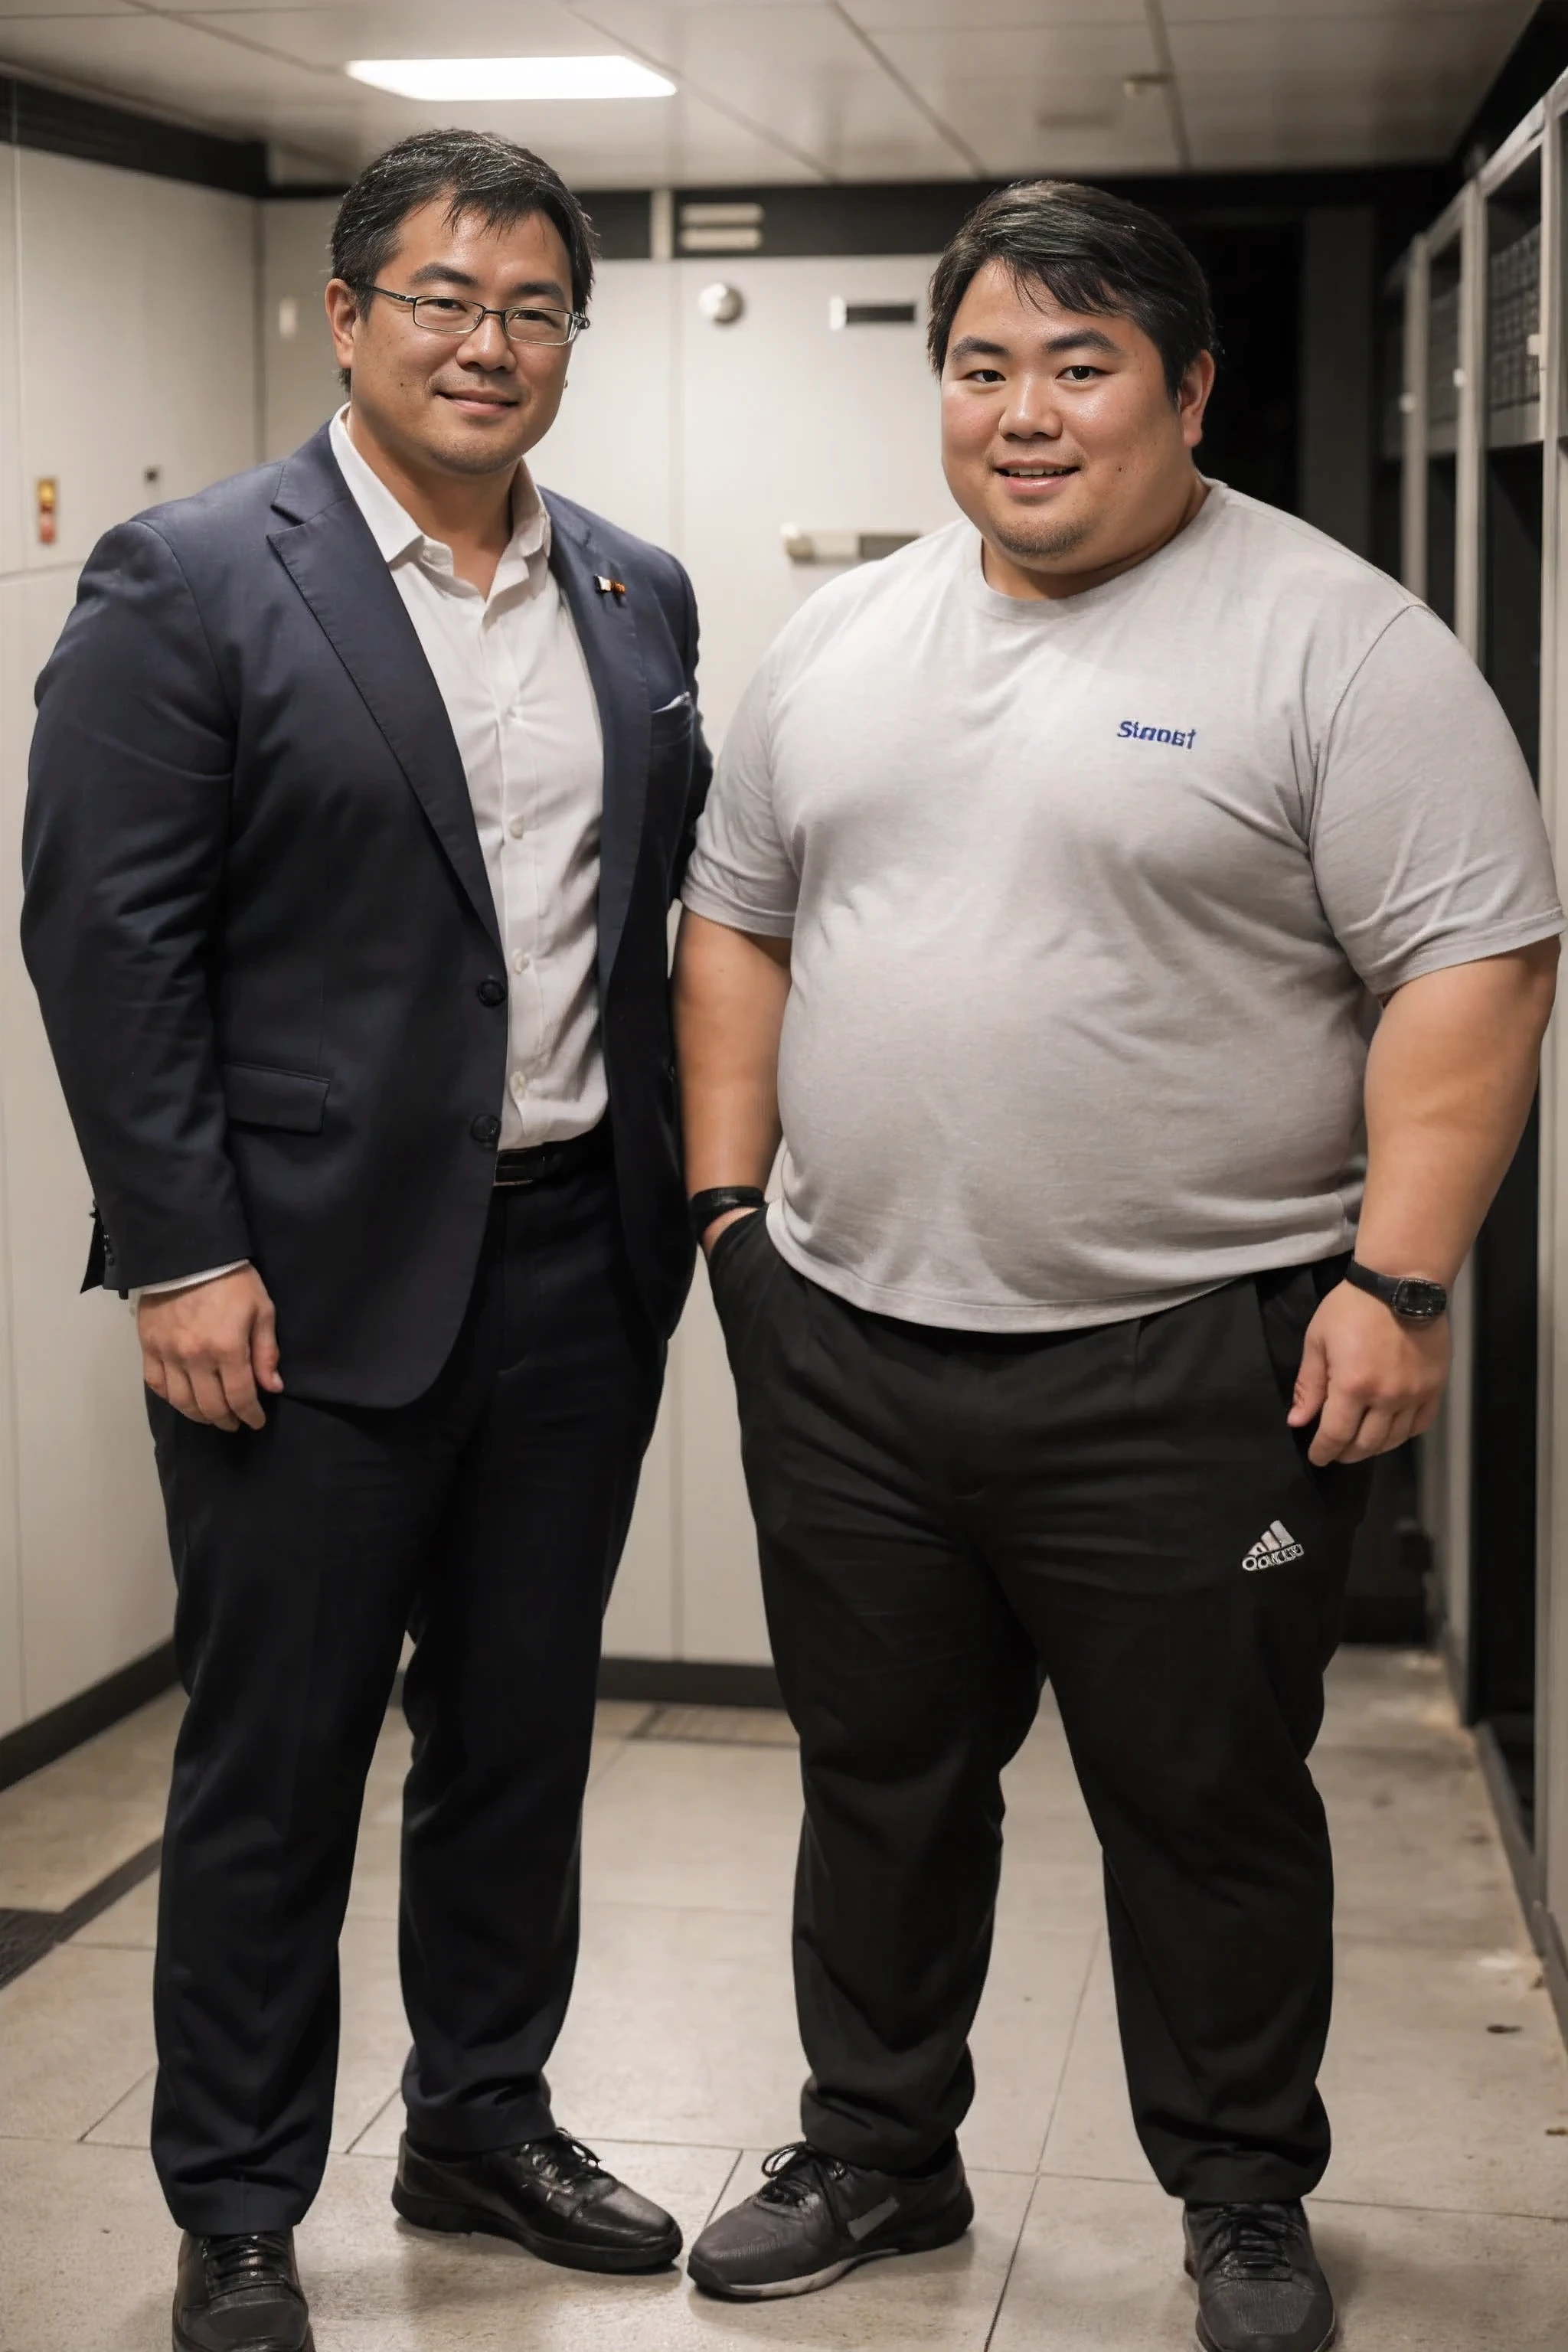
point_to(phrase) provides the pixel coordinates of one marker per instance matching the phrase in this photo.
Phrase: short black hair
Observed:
(1092, 252)
(477, 171)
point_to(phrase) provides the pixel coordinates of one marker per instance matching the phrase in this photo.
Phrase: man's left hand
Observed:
(1368, 1379)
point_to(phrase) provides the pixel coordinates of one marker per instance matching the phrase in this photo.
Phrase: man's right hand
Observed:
(208, 1350)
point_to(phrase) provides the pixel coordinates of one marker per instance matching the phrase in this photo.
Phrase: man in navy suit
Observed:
(361, 790)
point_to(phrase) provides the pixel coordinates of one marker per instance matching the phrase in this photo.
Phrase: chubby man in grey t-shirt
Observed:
(1133, 914)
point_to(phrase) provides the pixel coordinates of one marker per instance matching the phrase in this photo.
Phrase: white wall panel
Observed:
(13, 747)
(612, 446)
(85, 1584)
(643, 1617)
(785, 420)
(13, 690)
(94, 1568)
(169, 388)
(80, 225)
(299, 374)
(721, 1592)
(201, 381)
(11, 509)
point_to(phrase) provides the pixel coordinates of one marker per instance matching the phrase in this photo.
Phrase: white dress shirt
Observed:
(511, 672)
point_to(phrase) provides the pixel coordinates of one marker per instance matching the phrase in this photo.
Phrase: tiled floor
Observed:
(1444, 2218)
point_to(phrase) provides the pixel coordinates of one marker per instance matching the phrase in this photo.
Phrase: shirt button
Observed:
(516, 828)
(492, 991)
(484, 1128)
(519, 1085)
(518, 960)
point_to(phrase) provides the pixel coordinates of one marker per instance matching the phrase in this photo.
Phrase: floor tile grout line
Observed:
(610, 2139)
(108, 1943)
(129, 2092)
(391, 2099)
(354, 2151)
(1341, 2204)
(1438, 2212)
(597, 1780)
(669, 1739)
(641, 2139)
(1096, 1941)
(723, 2187)
(1012, 2264)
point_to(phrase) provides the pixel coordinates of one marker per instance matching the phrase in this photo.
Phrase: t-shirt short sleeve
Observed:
(740, 872)
(1426, 838)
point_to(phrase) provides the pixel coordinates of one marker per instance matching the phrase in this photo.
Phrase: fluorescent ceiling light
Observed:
(502, 78)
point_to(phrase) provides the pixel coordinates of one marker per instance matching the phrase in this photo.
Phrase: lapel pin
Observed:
(608, 587)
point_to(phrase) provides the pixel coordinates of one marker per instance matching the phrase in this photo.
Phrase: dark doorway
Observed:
(1442, 542)
(1252, 437)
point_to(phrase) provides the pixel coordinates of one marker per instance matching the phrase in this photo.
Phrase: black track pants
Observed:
(947, 1518)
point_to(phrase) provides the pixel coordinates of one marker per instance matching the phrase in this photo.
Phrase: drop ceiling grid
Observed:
(797, 89)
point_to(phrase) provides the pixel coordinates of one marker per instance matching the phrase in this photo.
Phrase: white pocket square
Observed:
(680, 702)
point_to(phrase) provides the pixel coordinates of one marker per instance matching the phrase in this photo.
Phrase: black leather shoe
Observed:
(1260, 2286)
(553, 2196)
(240, 2294)
(814, 2216)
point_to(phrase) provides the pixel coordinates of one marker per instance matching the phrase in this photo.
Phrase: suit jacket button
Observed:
(492, 991)
(485, 1129)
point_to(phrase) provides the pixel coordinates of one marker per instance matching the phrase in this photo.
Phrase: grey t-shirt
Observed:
(1091, 902)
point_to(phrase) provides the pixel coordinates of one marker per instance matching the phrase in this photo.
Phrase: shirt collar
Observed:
(397, 533)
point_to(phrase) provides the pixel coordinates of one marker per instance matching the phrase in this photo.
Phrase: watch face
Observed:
(1419, 1302)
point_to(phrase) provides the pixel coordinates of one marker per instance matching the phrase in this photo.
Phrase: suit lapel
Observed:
(606, 629)
(339, 570)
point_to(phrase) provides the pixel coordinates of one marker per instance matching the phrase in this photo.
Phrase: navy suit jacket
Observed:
(259, 921)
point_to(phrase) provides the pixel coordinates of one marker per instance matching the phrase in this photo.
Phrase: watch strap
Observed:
(1413, 1297)
(718, 1200)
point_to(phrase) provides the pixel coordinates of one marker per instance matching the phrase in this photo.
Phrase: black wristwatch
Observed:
(1413, 1300)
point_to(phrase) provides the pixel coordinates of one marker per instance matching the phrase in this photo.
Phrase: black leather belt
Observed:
(540, 1163)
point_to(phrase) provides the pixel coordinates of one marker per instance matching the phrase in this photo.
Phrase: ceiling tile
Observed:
(1508, 17)
(1286, 52)
(995, 16)
(14, 9)
(403, 28)
(1323, 118)
(156, 62)
(797, 72)
(782, 90)
(1036, 55)
(1015, 145)
(1022, 100)
(527, 19)
(1241, 143)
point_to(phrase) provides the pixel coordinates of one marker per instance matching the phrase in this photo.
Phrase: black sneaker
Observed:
(815, 2218)
(1261, 2287)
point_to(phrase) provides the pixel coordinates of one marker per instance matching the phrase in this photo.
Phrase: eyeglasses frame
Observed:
(576, 320)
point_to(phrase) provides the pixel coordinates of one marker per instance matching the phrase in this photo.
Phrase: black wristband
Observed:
(718, 1200)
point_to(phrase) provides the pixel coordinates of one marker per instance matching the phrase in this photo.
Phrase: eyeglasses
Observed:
(447, 314)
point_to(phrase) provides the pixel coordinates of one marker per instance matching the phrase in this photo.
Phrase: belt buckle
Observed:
(522, 1179)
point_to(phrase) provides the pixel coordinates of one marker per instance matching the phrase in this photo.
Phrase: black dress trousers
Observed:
(945, 1520)
(488, 1519)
